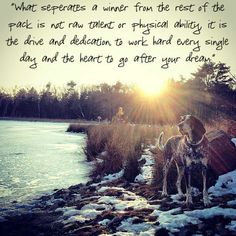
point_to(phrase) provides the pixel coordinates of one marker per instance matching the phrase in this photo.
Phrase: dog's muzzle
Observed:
(180, 127)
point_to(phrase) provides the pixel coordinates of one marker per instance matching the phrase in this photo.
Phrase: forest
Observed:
(209, 93)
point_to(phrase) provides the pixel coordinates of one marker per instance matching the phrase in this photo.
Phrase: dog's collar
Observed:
(195, 144)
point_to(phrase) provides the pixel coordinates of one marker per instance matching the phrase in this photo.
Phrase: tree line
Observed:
(210, 92)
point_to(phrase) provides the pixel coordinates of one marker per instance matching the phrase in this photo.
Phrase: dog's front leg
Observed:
(206, 199)
(180, 170)
(189, 200)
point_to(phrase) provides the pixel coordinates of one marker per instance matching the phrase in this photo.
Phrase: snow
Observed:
(82, 216)
(147, 156)
(104, 154)
(195, 191)
(172, 221)
(176, 198)
(87, 212)
(129, 200)
(231, 226)
(134, 202)
(147, 169)
(226, 184)
(234, 141)
(67, 211)
(70, 212)
(140, 179)
(127, 196)
(110, 178)
(232, 203)
(149, 232)
(92, 206)
(108, 200)
(98, 160)
(127, 225)
(104, 188)
(115, 176)
(138, 203)
(211, 212)
(144, 177)
(91, 211)
(119, 234)
(104, 222)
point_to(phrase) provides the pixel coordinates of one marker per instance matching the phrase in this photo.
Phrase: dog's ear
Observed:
(198, 128)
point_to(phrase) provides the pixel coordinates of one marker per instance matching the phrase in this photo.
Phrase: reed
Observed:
(119, 146)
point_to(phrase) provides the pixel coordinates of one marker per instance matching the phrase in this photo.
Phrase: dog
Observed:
(189, 151)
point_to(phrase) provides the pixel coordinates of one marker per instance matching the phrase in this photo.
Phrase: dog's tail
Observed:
(159, 143)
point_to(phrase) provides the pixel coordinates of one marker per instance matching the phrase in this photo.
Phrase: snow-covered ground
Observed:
(234, 141)
(226, 184)
(147, 169)
(119, 200)
(116, 209)
(172, 220)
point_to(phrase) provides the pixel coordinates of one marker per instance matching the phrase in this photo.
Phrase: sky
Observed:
(16, 73)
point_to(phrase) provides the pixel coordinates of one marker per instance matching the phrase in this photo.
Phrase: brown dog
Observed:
(189, 151)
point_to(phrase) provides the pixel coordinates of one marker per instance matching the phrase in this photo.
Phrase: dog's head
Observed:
(192, 127)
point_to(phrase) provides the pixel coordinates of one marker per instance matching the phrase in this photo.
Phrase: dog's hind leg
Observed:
(165, 173)
(180, 170)
(206, 199)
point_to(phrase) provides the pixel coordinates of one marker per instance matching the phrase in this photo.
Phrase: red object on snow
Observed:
(222, 152)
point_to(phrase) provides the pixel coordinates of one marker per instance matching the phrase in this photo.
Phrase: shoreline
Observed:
(32, 119)
(113, 206)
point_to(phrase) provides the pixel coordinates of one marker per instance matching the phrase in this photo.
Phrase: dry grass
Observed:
(97, 138)
(227, 125)
(123, 144)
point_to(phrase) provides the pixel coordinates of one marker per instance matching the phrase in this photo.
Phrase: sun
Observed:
(153, 88)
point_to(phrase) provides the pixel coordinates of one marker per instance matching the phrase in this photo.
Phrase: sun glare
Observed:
(153, 88)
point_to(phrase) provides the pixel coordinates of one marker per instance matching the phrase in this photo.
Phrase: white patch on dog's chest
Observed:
(191, 161)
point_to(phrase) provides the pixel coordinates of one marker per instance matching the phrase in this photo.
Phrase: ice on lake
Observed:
(37, 157)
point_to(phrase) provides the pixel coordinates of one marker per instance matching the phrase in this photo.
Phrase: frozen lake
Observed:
(37, 157)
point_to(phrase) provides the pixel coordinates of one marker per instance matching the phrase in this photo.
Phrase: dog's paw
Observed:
(207, 202)
(180, 195)
(189, 201)
(189, 204)
(164, 194)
